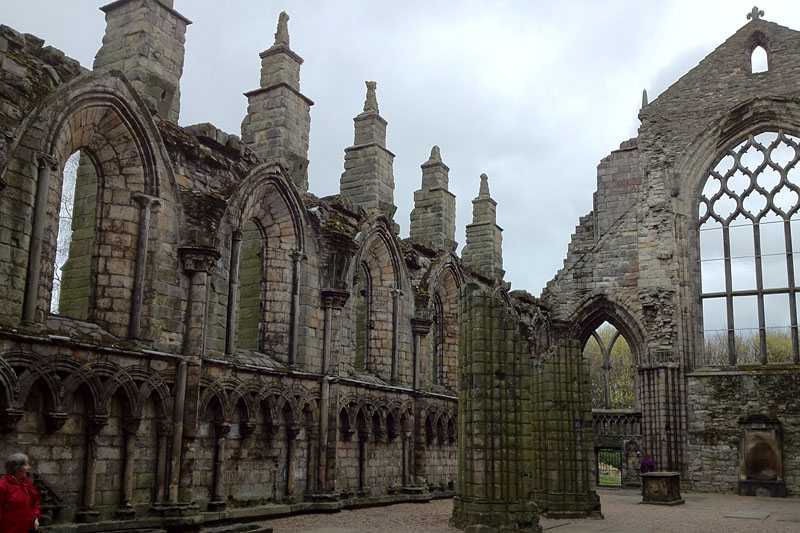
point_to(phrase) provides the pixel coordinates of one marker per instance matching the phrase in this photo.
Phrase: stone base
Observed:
(483, 516)
(414, 489)
(662, 488)
(217, 505)
(754, 487)
(87, 516)
(125, 513)
(174, 509)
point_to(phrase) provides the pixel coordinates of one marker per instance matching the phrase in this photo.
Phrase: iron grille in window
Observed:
(749, 241)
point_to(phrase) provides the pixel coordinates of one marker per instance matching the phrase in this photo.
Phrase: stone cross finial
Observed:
(755, 13)
(436, 156)
(282, 33)
(484, 189)
(371, 103)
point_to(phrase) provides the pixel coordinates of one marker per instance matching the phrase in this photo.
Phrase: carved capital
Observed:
(46, 161)
(55, 420)
(334, 298)
(145, 201)
(95, 423)
(421, 326)
(396, 293)
(9, 418)
(130, 425)
(198, 258)
(164, 429)
(222, 429)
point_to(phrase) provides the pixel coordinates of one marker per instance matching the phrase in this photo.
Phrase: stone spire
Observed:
(433, 219)
(483, 252)
(278, 118)
(368, 178)
(144, 39)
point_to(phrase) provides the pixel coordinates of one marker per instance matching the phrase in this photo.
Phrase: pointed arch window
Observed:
(759, 60)
(749, 238)
(251, 287)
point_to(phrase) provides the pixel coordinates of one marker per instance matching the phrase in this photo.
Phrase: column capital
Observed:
(334, 298)
(145, 200)
(421, 326)
(198, 258)
(44, 160)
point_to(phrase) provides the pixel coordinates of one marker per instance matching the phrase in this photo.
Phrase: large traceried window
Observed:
(749, 236)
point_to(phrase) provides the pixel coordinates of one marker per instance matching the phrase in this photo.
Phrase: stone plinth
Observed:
(662, 488)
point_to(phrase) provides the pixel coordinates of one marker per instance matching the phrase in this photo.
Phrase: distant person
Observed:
(648, 465)
(19, 500)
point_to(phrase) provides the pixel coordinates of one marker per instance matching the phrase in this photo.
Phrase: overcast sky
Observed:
(534, 94)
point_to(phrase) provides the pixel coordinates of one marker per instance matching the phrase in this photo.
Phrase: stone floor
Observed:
(704, 513)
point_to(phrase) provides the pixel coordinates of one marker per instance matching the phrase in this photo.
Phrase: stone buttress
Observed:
(483, 252)
(433, 219)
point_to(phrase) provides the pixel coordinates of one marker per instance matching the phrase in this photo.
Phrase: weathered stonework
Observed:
(229, 344)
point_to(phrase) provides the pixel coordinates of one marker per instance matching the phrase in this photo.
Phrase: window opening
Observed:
(71, 293)
(438, 340)
(748, 235)
(251, 281)
(610, 368)
(758, 60)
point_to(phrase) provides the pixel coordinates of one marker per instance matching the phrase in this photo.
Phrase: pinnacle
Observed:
(282, 33)
(436, 156)
(371, 103)
(484, 189)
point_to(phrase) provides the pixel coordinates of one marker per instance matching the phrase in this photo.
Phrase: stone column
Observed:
(163, 430)
(396, 293)
(311, 459)
(130, 427)
(45, 164)
(292, 432)
(296, 256)
(177, 431)
(197, 262)
(233, 291)
(217, 502)
(363, 439)
(332, 299)
(88, 513)
(420, 328)
(147, 205)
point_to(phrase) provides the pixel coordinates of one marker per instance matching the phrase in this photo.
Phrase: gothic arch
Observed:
(268, 200)
(600, 308)
(100, 114)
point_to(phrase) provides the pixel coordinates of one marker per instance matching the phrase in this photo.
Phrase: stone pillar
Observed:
(332, 300)
(278, 118)
(130, 427)
(292, 432)
(177, 431)
(45, 164)
(144, 39)
(396, 293)
(163, 430)
(663, 415)
(433, 219)
(491, 444)
(147, 205)
(217, 502)
(233, 291)
(296, 256)
(368, 178)
(197, 262)
(88, 513)
(420, 327)
(483, 252)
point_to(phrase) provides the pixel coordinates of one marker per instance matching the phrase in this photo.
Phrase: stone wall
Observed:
(719, 400)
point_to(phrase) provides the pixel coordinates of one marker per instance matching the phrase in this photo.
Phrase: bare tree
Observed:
(64, 226)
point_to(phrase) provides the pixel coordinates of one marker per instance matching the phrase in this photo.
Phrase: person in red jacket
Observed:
(19, 500)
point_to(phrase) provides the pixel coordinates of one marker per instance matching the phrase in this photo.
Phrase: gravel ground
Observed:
(705, 513)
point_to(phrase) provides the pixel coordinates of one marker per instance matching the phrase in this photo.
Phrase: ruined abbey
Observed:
(218, 343)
